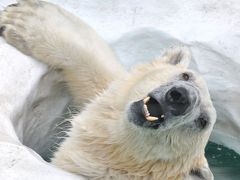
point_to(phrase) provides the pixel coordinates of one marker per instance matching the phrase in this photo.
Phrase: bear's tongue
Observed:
(153, 109)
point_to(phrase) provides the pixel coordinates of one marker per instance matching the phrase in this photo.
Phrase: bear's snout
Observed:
(163, 104)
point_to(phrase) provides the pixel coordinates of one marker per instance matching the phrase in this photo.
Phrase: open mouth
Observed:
(160, 106)
(153, 110)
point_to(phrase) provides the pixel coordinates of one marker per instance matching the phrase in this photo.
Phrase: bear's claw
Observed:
(2, 29)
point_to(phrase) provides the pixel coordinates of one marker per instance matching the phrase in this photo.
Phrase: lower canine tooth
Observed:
(146, 110)
(151, 118)
(162, 116)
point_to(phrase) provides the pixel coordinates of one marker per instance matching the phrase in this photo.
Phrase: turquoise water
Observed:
(224, 163)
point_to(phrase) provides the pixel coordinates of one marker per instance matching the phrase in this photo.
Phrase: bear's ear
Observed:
(177, 55)
(203, 173)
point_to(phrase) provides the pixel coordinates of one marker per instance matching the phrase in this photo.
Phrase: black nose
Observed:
(177, 99)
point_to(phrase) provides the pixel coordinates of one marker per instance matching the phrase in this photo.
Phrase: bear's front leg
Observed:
(61, 40)
(46, 32)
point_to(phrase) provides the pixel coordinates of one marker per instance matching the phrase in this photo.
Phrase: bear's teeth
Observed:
(147, 114)
(151, 118)
(146, 99)
(162, 116)
(146, 110)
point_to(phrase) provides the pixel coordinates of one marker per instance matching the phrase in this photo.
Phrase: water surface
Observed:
(224, 163)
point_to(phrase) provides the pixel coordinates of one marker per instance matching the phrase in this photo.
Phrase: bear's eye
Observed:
(202, 121)
(185, 76)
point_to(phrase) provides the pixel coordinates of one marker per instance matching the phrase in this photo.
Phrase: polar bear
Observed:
(152, 122)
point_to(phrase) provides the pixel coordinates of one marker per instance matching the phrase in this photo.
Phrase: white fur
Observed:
(103, 144)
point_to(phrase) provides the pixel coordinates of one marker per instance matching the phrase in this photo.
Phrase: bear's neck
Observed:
(92, 154)
(119, 165)
(95, 157)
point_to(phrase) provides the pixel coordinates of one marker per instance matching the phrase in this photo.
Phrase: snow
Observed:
(19, 162)
(137, 31)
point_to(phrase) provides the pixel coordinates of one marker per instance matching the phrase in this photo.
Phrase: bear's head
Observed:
(151, 123)
(167, 111)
